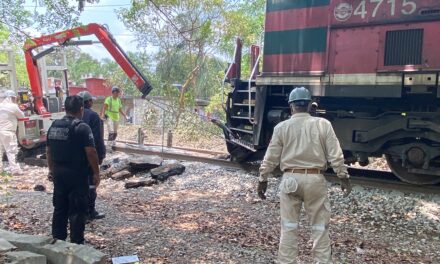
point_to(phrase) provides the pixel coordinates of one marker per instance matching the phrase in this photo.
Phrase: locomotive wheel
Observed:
(413, 178)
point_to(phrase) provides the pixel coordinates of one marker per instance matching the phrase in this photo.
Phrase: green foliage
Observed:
(184, 33)
(191, 125)
(246, 22)
(188, 33)
(215, 107)
(20, 64)
(81, 64)
(48, 15)
(5, 178)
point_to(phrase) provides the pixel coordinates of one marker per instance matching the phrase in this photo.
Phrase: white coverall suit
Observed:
(305, 144)
(9, 112)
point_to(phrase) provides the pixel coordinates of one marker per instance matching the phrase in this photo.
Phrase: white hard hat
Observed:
(10, 93)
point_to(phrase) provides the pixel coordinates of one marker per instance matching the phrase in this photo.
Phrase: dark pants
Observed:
(70, 205)
(92, 194)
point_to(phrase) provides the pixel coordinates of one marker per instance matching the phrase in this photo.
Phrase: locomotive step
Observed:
(240, 117)
(253, 90)
(243, 104)
(244, 144)
(242, 130)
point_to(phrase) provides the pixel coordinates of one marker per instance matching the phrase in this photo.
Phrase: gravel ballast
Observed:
(210, 214)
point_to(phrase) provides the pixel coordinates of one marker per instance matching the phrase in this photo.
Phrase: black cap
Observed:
(115, 89)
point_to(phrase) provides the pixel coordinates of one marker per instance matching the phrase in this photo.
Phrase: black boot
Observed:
(95, 215)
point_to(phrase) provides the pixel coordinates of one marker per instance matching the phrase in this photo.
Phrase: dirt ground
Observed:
(207, 141)
(211, 214)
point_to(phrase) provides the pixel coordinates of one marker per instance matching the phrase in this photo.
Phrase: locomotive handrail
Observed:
(223, 84)
(251, 77)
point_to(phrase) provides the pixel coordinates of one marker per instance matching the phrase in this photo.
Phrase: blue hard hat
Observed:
(300, 94)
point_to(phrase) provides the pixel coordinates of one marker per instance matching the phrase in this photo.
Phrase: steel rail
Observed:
(361, 177)
(133, 149)
(210, 152)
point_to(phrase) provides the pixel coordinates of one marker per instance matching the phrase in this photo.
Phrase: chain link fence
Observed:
(161, 122)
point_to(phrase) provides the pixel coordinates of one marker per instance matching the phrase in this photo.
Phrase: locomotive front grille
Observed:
(403, 47)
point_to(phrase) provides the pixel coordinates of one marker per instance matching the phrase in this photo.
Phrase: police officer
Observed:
(70, 152)
(302, 146)
(92, 119)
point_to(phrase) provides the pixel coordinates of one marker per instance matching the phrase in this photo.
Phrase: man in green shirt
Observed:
(110, 112)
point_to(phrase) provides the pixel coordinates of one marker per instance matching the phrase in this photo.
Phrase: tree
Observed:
(81, 64)
(22, 77)
(55, 15)
(246, 22)
(183, 32)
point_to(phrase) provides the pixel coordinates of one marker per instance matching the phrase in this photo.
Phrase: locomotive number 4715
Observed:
(406, 7)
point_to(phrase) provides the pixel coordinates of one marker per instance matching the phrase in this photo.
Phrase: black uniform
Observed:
(67, 139)
(92, 119)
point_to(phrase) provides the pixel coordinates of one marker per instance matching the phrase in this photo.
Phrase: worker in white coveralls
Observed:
(9, 112)
(303, 146)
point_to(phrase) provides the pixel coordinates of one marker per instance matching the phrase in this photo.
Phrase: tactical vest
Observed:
(65, 147)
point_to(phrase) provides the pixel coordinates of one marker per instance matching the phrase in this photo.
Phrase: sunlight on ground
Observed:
(430, 210)
(128, 230)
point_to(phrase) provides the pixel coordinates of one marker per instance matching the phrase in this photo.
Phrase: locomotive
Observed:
(373, 67)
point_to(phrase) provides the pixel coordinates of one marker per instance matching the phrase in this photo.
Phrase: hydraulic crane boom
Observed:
(63, 39)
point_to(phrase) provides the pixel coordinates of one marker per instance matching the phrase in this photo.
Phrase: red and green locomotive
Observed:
(373, 67)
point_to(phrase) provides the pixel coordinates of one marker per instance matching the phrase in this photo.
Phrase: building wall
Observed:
(98, 87)
(74, 90)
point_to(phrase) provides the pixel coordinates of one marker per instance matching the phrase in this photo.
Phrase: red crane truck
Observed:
(32, 129)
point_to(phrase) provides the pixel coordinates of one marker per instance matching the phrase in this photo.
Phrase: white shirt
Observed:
(303, 142)
(9, 112)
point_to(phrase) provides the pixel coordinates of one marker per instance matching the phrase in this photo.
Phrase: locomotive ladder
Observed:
(242, 115)
(243, 109)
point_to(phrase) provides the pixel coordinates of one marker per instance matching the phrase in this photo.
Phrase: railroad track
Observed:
(361, 177)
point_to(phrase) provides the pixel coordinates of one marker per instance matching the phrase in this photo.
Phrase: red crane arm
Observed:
(61, 38)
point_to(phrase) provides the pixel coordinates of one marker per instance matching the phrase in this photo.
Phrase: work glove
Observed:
(346, 186)
(262, 188)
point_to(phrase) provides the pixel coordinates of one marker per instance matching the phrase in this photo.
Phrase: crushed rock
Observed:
(211, 214)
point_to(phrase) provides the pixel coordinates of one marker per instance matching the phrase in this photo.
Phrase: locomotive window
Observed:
(403, 47)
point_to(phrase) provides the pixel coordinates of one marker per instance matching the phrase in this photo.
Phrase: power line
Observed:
(93, 6)
(100, 11)
(96, 6)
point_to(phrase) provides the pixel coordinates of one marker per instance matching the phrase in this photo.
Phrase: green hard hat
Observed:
(299, 94)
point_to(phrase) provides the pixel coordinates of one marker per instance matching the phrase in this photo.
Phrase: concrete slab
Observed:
(25, 242)
(26, 257)
(64, 252)
(5, 246)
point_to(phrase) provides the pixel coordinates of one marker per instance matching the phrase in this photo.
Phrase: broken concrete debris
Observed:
(124, 166)
(39, 188)
(39, 162)
(164, 172)
(140, 183)
(39, 249)
(5, 246)
(122, 175)
(114, 165)
(64, 252)
(24, 242)
(25, 257)
(151, 169)
(142, 163)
